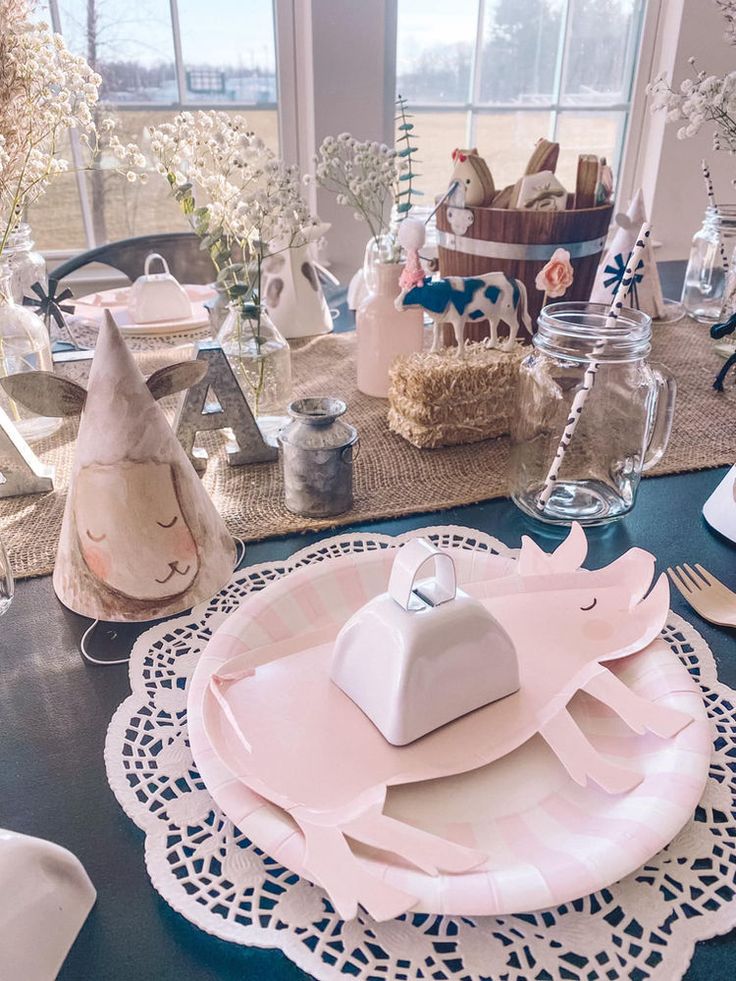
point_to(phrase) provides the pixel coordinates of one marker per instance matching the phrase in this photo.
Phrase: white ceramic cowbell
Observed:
(423, 653)
(157, 296)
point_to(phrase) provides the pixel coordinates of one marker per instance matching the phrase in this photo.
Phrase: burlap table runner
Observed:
(392, 478)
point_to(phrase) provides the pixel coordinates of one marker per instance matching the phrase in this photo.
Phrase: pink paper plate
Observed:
(548, 840)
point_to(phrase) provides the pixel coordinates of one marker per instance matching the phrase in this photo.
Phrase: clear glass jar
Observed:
(24, 346)
(705, 281)
(261, 360)
(26, 265)
(623, 423)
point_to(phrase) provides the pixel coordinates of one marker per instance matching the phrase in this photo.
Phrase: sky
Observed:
(225, 32)
(241, 32)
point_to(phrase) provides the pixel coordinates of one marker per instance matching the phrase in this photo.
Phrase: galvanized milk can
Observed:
(317, 451)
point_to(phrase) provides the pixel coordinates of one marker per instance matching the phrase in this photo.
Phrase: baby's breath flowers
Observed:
(45, 90)
(246, 205)
(243, 202)
(363, 175)
(703, 98)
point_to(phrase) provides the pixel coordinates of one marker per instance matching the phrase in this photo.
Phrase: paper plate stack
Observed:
(543, 796)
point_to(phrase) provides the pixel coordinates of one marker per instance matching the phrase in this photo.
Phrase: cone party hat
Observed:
(140, 537)
(646, 291)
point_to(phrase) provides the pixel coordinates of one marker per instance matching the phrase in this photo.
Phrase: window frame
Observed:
(283, 48)
(303, 51)
(640, 49)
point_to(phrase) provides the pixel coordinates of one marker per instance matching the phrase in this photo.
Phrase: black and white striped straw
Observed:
(712, 202)
(589, 378)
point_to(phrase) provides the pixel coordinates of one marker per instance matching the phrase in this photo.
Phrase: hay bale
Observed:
(437, 399)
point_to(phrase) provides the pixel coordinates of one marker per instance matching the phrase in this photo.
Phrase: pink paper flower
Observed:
(556, 277)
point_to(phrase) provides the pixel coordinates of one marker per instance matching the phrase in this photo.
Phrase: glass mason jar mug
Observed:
(623, 425)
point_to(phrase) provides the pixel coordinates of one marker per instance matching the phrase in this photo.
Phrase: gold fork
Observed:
(706, 594)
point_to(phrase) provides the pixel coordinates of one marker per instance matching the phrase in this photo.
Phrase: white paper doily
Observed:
(645, 926)
(84, 334)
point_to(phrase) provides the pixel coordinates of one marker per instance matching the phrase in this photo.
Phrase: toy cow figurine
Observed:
(494, 297)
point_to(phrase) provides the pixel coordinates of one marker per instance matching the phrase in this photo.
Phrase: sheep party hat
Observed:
(140, 537)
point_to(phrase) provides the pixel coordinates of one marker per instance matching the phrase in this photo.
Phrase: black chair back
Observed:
(187, 262)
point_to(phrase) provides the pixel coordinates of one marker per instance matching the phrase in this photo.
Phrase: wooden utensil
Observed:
(706, 594)
(544, 157)
(587, 180)
(503, 198)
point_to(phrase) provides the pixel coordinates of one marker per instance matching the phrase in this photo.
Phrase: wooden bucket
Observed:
(519, 243)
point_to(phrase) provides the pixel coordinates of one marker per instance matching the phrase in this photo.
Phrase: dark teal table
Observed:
(54, 712)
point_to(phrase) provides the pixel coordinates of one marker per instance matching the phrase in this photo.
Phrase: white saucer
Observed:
(90, 310)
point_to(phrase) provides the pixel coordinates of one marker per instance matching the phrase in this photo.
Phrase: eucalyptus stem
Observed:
(405, 129)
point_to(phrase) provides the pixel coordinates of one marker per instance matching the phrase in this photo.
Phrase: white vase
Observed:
(383, 332)
(292, 294)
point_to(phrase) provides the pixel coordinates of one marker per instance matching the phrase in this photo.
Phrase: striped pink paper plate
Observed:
(548, 840)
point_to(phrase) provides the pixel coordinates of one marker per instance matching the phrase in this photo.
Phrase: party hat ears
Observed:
(646, 290)
(51, 395)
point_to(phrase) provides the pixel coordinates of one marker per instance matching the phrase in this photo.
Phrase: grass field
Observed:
(504, 139)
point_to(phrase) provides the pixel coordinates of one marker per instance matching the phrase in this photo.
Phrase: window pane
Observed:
(520, 42)
(599, 56)
(237, 64)
(435, 50)
(121, 210)
(506, 140)
(587, 132)
(437, 134)
(130, 44)
(132, 47)
(56, 218)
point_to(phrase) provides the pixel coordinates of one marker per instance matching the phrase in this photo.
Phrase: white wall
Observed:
(344, 83)
(669, 169)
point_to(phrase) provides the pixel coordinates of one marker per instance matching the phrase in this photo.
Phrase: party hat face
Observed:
(646, 291)
(140, 539)
(160, 560)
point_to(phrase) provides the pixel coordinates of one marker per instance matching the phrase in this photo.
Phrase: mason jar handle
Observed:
(409, 562)
(149, 259)
(661, 414)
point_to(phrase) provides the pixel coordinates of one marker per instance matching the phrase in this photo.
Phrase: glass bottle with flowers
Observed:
(376, 182)
(45, 91)
(245, 205)
(700, 100)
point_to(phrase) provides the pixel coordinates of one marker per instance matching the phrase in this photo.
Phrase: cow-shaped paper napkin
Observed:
(293, 737)
(140, 537)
